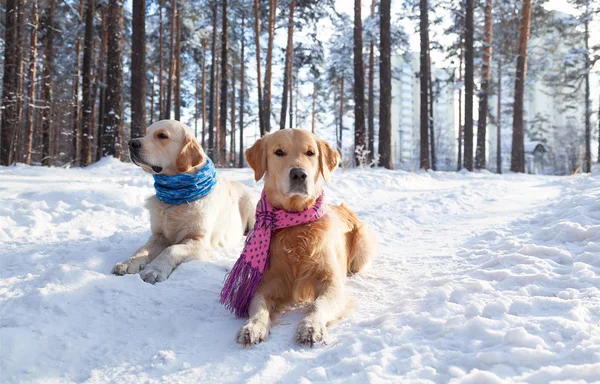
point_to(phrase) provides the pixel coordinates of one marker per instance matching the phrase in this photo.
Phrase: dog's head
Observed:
(294, 163)
(168, 148)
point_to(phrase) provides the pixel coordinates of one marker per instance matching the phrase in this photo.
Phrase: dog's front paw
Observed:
(310, 332)
(120, 269)
(155, 273)
(252, 333)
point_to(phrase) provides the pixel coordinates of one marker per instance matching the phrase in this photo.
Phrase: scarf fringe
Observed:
(240, 285)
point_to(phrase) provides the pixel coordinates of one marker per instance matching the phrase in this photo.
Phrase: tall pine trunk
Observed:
(177, 106)
(171, 60)
(76, 134)
(18, 137)
(371, 105)
(486, 66)
(359, 83)
(112, 135)
(211, 95)
(287, 72)
(341, 129)
(101, 79)
(269, 67)
(152, 90)
(424, 77)
(223, 97)
(460, 110)
(469, 86)
(10, 83)
(587, 159)
(32, 74)
(204, 42)
(47, 77)
(138, 68)
(385, 87)
(161, 101)
(499, 121)
(291, 87)
(86, 86)
(261, 113)
(431, 101)
(517, 161)
(232, 119)
(314, 99)
(242, 93)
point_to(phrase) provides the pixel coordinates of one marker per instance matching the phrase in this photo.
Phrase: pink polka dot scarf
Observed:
(243, 280)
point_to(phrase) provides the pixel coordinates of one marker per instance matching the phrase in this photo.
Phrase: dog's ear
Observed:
(191, 155)
(256, 156)
(328, 159)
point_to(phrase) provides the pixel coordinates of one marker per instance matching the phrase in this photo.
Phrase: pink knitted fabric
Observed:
(243, 280)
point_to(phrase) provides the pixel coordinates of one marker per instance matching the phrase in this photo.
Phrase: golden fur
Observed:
(190, 230)
(308, 263)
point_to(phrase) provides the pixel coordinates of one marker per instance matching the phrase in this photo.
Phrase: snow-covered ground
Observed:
(480, 279)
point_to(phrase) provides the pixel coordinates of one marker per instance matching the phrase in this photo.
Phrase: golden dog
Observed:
(310, 262)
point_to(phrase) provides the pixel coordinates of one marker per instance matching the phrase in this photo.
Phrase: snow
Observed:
(480, 278)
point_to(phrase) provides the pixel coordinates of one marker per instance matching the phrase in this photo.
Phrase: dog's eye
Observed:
(162, 136)
(279, 153)
(310, 153)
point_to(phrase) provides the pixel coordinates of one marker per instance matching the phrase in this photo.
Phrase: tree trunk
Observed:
(196, 105)
(359, 83)
(217, 115)
(203, 91)
(211, 96)
(460, 123)
(499, 121)
(291, 85)
(232, 120)
(86, 86)
(224, 87)
(269, 66)
(47, 76)
(469, 86)
(385, 87)
(599, 130)
(287, 72)
(112, 139)
(101, 78)
(242, 93)
(18, 140)
(178, 69)
(424, 76)
(161, 110)
(10, 82)
(261, 113)
(138, 69)
(32, 74)
(76, 134)
(152, 97)
(587, 160)
(431, 100)
(340, 134)
(171, 60)
(314, 98)
(371, 105)
(486, 66)
(517, 162)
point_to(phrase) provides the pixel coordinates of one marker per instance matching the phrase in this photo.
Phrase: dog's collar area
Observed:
(186, 188)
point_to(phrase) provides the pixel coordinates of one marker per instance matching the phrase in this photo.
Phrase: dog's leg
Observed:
(161, 267)
(258, 326)
(145, 254)
(329, 305)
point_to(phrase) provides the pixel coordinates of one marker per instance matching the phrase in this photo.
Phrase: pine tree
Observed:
(469, 86)
(47, 77)
(287, 73)
(138, 68)
(9, 83)
(486, 71)
(242, 92)
(87, 122)
(177, 103)
(359, 83)
(423, 80)
(171, 60)
(517, 163)
(211, 96)
(269, 67)
(32, 75)
(261, 111)
(385, 86)
(222, 144)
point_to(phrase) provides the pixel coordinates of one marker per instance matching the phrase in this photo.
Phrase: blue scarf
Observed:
(185, 188)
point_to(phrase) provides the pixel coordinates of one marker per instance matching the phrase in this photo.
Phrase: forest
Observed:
(82, 77)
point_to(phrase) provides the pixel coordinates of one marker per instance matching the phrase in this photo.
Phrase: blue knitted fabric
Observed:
(184, 188)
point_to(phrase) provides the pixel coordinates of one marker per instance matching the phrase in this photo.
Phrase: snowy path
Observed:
(480, 278)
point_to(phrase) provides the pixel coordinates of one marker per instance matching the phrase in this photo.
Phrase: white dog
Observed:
(193, 211)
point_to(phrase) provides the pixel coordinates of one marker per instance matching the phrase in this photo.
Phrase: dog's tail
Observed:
(362, 241)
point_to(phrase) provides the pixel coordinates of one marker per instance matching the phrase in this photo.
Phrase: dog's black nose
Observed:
(298, 174)
(135, 144)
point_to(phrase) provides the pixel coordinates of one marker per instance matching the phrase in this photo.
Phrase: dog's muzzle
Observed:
(298, 181)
